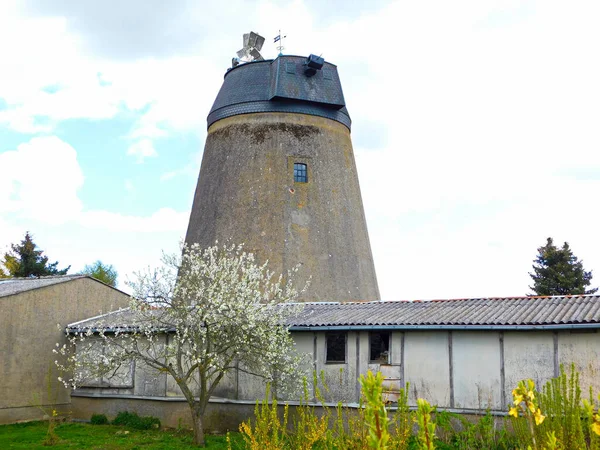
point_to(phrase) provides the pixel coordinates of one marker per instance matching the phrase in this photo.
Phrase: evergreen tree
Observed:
(25, 260)
(556, 271)
(103, 272)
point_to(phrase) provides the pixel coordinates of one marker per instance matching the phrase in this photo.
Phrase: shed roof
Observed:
(13, 286)
(578, 311)
(507, 312)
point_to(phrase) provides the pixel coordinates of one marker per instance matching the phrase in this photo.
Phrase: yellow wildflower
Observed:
(596, 423)
(538, 416)
(513, 412)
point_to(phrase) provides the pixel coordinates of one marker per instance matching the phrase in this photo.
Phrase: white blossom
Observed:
(203, 314)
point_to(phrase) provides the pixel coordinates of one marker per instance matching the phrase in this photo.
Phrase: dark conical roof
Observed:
(281, 85)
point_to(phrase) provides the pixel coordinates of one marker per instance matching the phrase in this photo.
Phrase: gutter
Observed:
(553, 327)
(565, 326)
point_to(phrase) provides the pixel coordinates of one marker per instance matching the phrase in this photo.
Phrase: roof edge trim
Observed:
(566, 326)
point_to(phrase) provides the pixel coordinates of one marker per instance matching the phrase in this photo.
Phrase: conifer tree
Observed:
(26, 260)
(556, 271)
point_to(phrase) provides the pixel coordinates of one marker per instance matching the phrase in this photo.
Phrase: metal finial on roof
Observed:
(279, 38)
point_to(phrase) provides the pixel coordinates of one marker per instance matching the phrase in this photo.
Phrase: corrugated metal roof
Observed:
(517, 312)
(12, 286)
(122, 318)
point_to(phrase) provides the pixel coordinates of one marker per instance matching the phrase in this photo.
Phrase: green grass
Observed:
(31, 435)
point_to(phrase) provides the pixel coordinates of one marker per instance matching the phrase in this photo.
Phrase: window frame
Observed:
(345, 336)
(119, 381)
(389, 347)
(304, 171)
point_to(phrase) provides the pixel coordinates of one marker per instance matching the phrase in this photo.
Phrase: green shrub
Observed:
(99, 419)
(124, 418)
(268, 431)
(402, 421)
(376, 416)
(148, 422)
(560, 400)
(132, 420)
(426, 430)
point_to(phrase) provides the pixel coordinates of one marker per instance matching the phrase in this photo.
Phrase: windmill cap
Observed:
(281, 85)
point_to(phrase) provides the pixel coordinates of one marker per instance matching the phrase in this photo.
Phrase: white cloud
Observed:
(142, 149)
(160, 94)
(488, 110)
(40, 179)
(39, 184)
(484, 114)
(10, 234)
(165, 219)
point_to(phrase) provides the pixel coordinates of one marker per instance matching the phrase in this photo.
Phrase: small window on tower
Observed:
(300, 173)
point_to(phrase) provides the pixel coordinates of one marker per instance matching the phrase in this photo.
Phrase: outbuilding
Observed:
(464, 355)
(33, 316)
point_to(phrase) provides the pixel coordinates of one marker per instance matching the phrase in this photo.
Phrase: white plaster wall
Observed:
(583, 349)
(304, 343)
(426, 366)
(227, 387)
(145, 380)
(337, 381)
(250, 387)
(527, 354)
(353, 390)
(476, 369)
(363, 352)
(396, 347)
(476, 366)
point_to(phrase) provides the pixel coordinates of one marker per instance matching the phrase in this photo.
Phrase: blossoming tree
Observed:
(220, 310)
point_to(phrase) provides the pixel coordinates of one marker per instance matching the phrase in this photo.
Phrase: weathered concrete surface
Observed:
(583, 349)
(476, 366)
(28, 413)
(476, 369)
(246, 194)
(527, 355)
(426, 366)
(220, 417)
(337, 381)
(28, 334)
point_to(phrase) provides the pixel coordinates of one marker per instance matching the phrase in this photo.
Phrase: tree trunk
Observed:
(198, 425)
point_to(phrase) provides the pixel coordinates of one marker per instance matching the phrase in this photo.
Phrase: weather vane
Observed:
(279, 38)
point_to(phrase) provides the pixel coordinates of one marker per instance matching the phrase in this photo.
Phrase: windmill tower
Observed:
(278, 174)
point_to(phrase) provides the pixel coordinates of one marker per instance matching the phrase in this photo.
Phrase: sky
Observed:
(476, 128)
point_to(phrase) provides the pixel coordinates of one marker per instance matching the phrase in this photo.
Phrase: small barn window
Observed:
(379, 343)
(335, 347)
(300, 173)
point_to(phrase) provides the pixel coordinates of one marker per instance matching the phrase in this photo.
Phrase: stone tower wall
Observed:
(246, 193)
